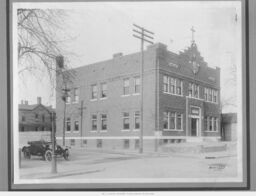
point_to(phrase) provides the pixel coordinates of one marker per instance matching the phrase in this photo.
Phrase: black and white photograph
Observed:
(128, 92)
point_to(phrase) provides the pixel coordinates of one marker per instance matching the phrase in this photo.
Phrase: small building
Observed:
(35, 117)
(181, 100)
(229, 126)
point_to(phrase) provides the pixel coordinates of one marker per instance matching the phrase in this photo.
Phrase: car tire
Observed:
(48, 155)
(26, 153)
(66, 154)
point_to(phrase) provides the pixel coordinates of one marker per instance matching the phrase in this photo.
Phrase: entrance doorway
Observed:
(194, 126)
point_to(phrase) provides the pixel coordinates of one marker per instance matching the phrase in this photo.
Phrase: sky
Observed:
(100, 29)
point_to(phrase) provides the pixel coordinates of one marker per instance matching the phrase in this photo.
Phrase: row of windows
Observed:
(103, 122)
(75, 125)
(173, 120)
(210, 95)
(75, 93)
(126, 120)
(23, 118)
(175, 86)
(211, 123)
(103, 91)
(126, 86)
(99, 143)
(22, 129)
(172, 85)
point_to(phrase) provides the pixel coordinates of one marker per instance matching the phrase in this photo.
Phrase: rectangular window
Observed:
(76, 96)
(94, 122)
(126, 120)
(23, 118)
(178, 87)
(94, 90)
(136, 85)
(104, 122)
(99, 143)
(126, 86)
(84, 141)
(68, 124)
(196, 91)
(22, 129)
(190, 90)
(210, 95)
(137, 120)
(215, 124)
(43, 128)
(72, 142)
(68, 98)
(214, 96)
(76, 126)
(193, 90)
(103, 90)
(172, 120)
(205, 123)
(172, 87)
(166, 84)
(137, 144)
(205, 93)
(179, 121)
(210, 124)
(166, 120)
(43, 118)
(36, 116)
(126, 144)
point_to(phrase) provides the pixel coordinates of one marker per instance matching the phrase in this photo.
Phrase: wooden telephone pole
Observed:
(82, 108)
(53, 138)
(143, 35)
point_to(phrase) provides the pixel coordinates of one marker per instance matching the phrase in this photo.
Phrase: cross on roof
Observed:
(193, 32)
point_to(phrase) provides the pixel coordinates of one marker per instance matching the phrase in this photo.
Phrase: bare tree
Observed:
(41, 38)
(231, 84)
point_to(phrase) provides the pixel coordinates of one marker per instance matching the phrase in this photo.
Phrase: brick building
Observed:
(35, 117)
(181, 100)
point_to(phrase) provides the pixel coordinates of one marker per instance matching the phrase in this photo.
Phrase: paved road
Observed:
(103, 165)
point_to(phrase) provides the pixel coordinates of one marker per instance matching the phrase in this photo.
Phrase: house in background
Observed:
(229, 126)
(36, 117)
(181, 100)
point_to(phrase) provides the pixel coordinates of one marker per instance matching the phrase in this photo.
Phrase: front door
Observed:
(194, 126)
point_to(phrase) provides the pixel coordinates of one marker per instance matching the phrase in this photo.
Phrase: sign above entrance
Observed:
(194, 111)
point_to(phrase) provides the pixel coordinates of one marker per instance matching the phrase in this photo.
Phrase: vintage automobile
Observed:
(44, 149)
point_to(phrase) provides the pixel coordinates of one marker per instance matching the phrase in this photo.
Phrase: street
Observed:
(95, 164)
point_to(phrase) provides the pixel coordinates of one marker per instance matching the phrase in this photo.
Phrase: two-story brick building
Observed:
(35, 117)
(181, 100)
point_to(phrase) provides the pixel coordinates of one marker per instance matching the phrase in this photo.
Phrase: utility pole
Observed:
(143, 35)
(64, 98)
(82, 108)
(53, 138)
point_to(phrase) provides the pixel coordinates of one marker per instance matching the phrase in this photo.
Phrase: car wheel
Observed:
(26, 153)
(66, 154)
(48, 155)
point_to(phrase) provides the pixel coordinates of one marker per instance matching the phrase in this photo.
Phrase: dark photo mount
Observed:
(248, 112)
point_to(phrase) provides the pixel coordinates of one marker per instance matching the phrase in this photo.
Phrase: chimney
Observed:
(60, 61)
(26, 102)
(117, 55)
(39, 100)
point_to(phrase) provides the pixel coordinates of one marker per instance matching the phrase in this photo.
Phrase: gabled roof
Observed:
(34, 106)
